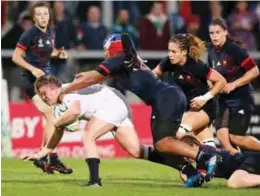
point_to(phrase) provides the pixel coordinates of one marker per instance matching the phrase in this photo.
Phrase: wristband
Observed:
(207, 96)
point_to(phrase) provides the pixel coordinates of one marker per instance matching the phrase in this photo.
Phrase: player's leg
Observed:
(94, 129)
(239, 124)
(205, 135)
(168, 113)
(54, 162)
(245, 142)
(197, 122)
(243, 179)
(222, 126)
(128, 139)
(248, 173)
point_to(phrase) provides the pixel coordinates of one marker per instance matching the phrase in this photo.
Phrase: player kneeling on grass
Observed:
(105, 109)
(241, 169)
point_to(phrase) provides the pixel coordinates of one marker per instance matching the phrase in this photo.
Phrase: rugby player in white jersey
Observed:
(105, 109)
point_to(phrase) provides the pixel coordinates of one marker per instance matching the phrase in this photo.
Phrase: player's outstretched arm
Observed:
(50, 146)
(83, 80)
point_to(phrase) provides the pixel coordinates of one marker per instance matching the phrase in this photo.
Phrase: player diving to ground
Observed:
(167, 101)
(241, 169)
(105, 109)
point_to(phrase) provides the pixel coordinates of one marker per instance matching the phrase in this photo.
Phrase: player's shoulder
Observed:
(30, 33)
(114, 60)
(233, 48)
(70, 97)
(33, 30)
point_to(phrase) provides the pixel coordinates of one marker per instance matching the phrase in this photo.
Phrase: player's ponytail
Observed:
(195, 46)
(223, 24)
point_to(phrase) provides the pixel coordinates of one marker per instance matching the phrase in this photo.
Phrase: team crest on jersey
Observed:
(40, 43)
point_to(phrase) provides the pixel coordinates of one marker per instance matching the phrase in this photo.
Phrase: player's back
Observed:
(137, 78)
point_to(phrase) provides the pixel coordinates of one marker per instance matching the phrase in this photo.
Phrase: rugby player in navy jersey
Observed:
(185, 67)
(32, 53)
(168, 102)
(236, 101)
(241, 169)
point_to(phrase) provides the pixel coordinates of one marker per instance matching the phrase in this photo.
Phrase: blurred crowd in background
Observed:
(81, 25)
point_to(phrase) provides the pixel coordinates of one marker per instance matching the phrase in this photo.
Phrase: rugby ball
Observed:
(59, 109)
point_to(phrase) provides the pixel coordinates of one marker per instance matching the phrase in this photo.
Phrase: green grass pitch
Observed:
(120, 177)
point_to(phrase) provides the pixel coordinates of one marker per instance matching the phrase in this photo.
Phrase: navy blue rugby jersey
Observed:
(191, 77)
(140, 80)
(232, 62)
(38, 46)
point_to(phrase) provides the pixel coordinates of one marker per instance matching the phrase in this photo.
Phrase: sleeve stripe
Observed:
(248, 63)
(245, 61)
(21, 46)
(209, 73)
(104, 68)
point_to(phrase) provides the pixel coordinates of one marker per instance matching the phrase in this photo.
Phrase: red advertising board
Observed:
(27, 130)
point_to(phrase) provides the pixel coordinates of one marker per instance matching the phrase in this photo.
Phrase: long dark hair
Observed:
(223, 24)
(42, 4)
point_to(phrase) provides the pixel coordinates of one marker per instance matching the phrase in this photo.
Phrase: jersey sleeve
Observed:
(202, 71)
(243, 59)
(111, 65)
(164, 64)
(24, 41)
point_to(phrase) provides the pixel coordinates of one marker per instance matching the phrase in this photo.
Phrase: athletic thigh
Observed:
(239, 120)
(128, 139)
(96, 127)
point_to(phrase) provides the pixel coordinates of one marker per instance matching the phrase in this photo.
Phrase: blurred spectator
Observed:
(94, 32)
(242, 22)
(257, 9)
(192, 21)
(177, 24)
(131, 6)
(71, 7)
(155, 29)
(66, 37)
(123, 26)
(9, 41)
(3, 13)
(216, 10)
(193, 25)
(83, 7)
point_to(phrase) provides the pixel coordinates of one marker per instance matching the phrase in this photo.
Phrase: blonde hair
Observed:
(195, 46)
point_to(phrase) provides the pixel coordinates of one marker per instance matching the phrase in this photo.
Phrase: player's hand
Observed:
(197, 102)
(229, 87)
(37, 72)
(32, 157)
(62, 53)
(80, 75)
